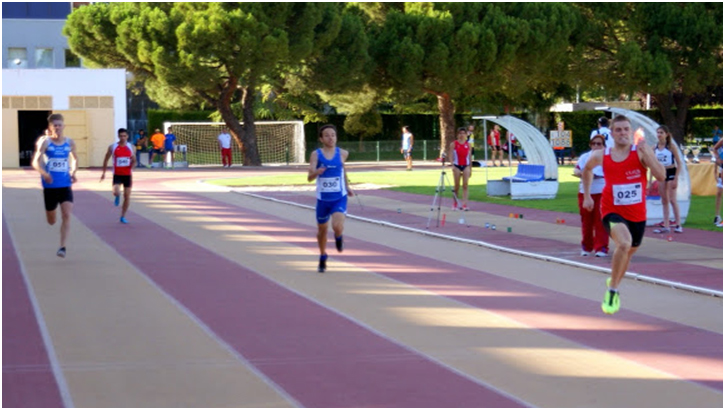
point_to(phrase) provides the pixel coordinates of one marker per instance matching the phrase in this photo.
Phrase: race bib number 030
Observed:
(330, 184)
(123, 161)
(58, 165)
(627, 194)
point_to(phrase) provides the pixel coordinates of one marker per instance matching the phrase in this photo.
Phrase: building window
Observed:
(44, 58)
(17, 57)
(71, 59)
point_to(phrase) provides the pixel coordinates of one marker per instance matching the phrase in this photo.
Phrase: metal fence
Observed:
(369, 151)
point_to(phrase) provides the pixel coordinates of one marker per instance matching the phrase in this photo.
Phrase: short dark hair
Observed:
(120, 130)
(55, 117)
(621, 118)
(603, 121)
(324, 127)
(464, 129)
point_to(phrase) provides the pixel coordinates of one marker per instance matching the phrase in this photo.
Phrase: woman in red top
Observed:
(461, 162)
(623, 200)
(123, 162)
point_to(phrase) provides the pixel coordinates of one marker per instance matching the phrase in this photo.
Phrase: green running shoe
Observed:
(610, 304)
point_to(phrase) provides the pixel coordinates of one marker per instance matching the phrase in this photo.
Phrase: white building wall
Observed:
(61, 84)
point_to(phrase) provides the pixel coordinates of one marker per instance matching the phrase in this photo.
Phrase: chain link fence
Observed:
(375, 151)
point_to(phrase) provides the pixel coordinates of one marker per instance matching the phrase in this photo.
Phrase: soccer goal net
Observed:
(279, 142)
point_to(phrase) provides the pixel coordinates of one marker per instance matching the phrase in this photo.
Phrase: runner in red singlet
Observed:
(124, 160)
(623, 203)
(461, 150)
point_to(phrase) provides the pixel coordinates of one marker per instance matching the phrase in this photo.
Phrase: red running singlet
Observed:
(625, 184)
(122, 159)
(460, 153)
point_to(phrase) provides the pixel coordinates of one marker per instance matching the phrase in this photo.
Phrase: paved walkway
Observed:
(211, 299)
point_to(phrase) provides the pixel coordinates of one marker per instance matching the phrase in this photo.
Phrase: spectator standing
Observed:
(225, 145)
(514, 146)
(716, 135)
(603, 129)
(494, 142)
(669, 156)
(471, 137)
(158, 141)
(461, 162)
(717, 154)
(170, 147)
(595, 239)
(406, 147)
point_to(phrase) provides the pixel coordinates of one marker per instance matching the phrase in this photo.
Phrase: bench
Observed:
(527, 173)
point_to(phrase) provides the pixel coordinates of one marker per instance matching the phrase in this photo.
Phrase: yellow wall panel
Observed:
(10, 145)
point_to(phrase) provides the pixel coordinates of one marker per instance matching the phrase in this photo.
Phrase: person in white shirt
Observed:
(603, 129)
(595, 239)
(225, 144)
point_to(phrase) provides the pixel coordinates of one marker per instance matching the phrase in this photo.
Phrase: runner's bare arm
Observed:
(74, 160)
(344, 154)
(647, 156)
(38, 161)
(313, 172)
(105, 162)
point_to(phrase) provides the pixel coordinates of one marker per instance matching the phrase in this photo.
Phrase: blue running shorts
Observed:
(326, 208)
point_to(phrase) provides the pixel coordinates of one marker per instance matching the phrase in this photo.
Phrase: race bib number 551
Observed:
(330, 184)
(627, 194)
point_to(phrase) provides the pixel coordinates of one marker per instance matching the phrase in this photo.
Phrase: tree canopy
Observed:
(493, 51)
(672, 51)
(217, 53)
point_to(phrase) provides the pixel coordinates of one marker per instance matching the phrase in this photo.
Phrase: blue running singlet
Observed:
(331, 184)
(58, 165)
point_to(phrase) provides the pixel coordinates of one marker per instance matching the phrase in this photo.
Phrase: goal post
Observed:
(278, 142)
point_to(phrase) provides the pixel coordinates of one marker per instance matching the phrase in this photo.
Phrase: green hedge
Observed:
(700, 122)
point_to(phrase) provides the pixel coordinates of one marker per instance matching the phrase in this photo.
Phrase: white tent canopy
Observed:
(538, 152)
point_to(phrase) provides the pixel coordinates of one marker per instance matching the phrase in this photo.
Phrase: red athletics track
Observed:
(400, 320)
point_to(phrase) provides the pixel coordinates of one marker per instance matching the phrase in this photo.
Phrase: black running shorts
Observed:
(55, 196)
(124, 180)
(636, 229)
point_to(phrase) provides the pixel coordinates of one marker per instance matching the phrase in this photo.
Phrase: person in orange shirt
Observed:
(157, 142)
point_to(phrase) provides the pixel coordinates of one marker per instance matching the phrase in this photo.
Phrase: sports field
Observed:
(210, 298)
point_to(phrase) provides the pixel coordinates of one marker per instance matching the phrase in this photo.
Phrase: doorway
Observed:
(31, 125)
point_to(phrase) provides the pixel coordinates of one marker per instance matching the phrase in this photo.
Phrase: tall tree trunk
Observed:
(447, 111)
(224, 105)
(251, 152)
(677, 121)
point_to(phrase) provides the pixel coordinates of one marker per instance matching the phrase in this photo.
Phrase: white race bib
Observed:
(627, 194)
(58, 165)
(123, 161)
(330, 184)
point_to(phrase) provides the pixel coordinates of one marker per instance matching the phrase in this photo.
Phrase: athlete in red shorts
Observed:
(123, 162)
(623, 203)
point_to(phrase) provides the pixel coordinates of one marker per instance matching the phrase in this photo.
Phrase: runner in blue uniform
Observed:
(327, 166)
(56, 161)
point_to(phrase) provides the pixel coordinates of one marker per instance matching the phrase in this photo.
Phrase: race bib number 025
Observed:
(330, 184)
(58, 165)
(627, 194)
(123, 161)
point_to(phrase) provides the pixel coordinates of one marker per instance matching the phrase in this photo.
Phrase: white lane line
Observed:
(630, 275)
